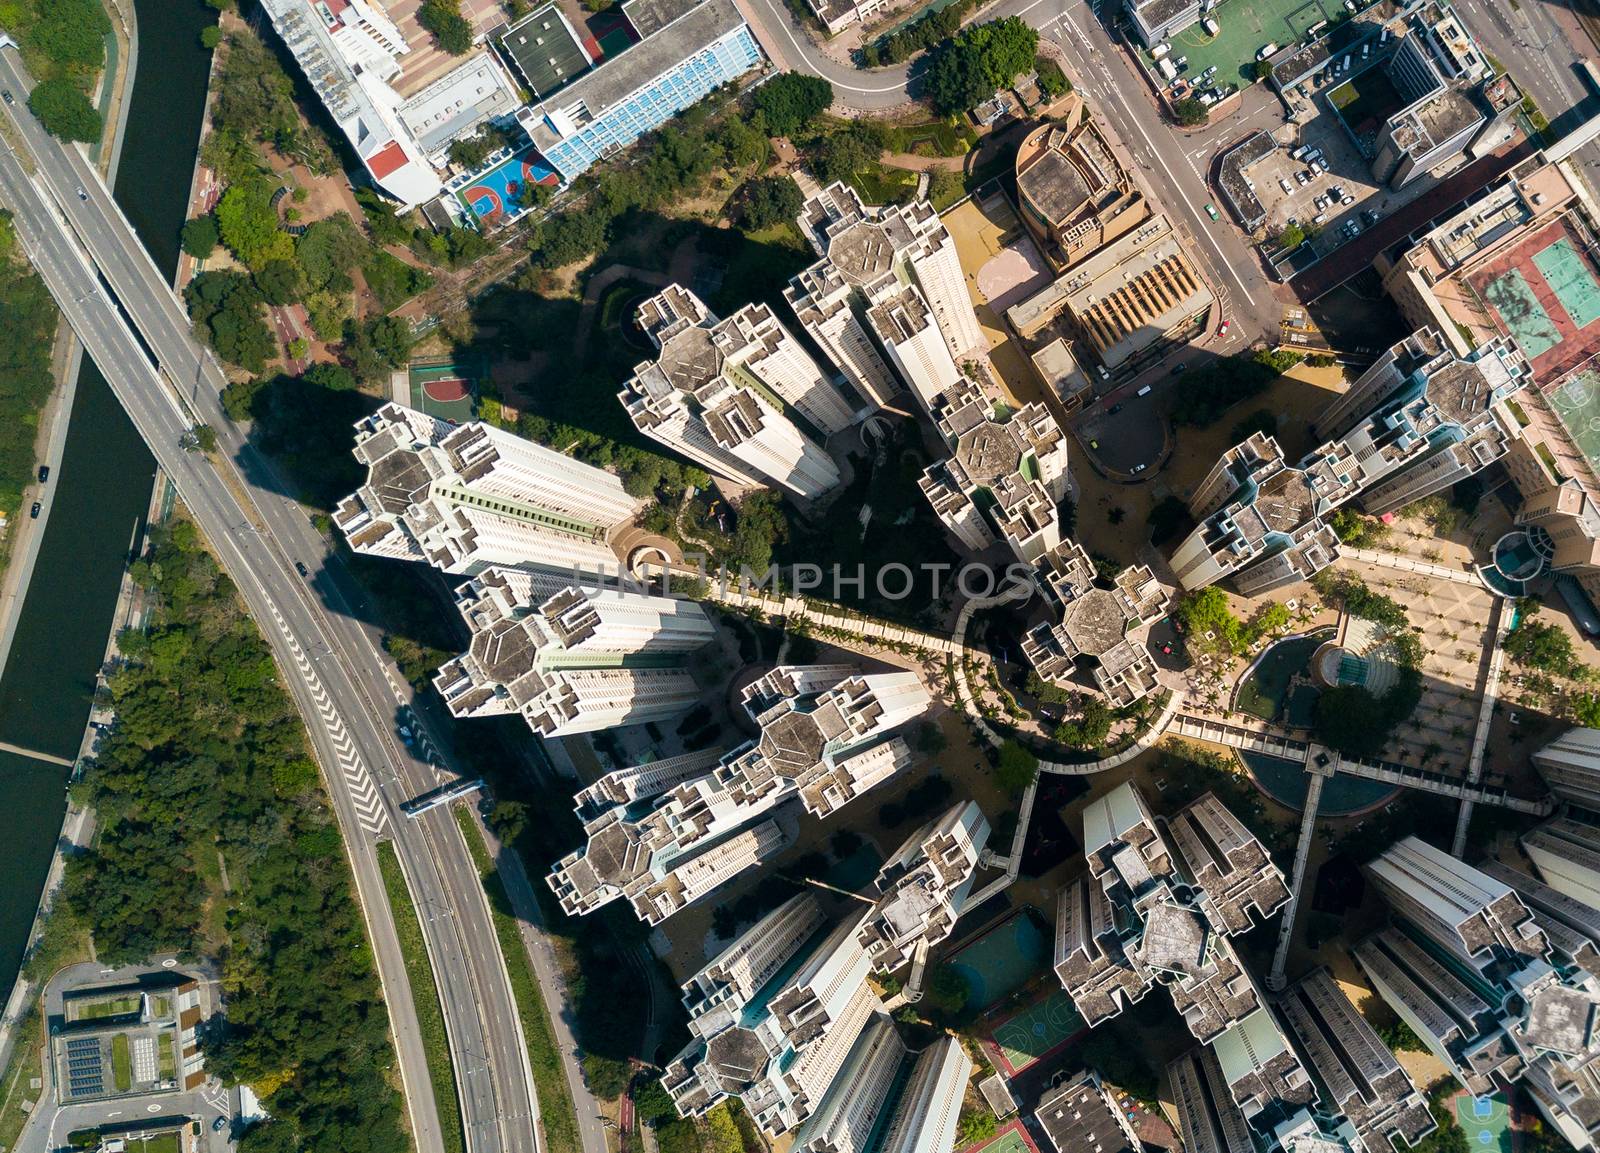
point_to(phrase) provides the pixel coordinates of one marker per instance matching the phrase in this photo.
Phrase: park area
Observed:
(1244, 28)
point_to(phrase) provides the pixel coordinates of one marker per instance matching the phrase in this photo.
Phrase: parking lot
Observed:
(1244, 28)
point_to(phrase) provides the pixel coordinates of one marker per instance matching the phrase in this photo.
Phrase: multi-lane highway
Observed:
(347, 690)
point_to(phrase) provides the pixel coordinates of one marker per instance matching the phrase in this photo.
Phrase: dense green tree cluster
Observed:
(471, 151)
(791, 101)
(225, 307)
(1210, 391)
(248, 224)
(1207, 611)
(1350, 592)
(766, 201)
(64, 110)
(1356, 529)
(1189, 112)
(200, 236)
(391, 280)
(979, 61)
(919, 35)
(452, 30)
(207, 761)
(643, 473)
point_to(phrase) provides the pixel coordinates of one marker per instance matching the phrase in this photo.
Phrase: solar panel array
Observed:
(85, 1067)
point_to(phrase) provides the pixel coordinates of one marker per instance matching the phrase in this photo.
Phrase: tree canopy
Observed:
(248, 225)
(207, 760)
(64, 110)
(200, 236)
(226, 309)
(769, 200)
(451, 29)
(1189, 112)
(979, 61)
(791, 101)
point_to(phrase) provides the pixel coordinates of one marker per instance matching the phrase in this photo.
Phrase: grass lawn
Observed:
(160, 1143)
(107, 1007)
(933, 138)
(425, 995)
(121, 1063)
(879, 185)
(558, 1118)
(167, 1062)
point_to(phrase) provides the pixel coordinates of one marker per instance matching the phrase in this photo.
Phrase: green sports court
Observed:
(1576, 401)
(1487, 1122)
(1026, 1038)
(446, 387)
(1244, 28)
(1012, 1138)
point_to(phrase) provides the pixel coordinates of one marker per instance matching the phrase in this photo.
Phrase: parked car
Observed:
(34, 511)
(44, 473)
(1284, 184)
(1138, 468)
(1113, 410)
(1178, 368)
(1347, 199)
(1302, 178)
(1223, 331)
(1211, 211)
(7, 97)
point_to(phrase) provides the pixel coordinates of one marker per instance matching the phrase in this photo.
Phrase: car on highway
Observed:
(1211, 211)
(1178, 368)
(1223, 331)
(1113, 410)
(82, 195)
(6, 95)
(300, 567)
(34, 511)
(44, 473)
(1138, 468)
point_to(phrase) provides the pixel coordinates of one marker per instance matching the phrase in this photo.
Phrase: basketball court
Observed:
(1023, 1040)
(445, 388)
(1576, 403)
(494, 197)
(1010, 1138)
(1487, 1123)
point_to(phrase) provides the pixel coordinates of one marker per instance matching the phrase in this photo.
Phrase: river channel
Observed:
(103, 487)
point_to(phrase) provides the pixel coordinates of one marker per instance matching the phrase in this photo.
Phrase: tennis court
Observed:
(1244, 28)
(1514, 301)
(1023, 1040)
(1486, 1122)
(1569, 276)
(1002, 961)
(494, 197)
(1012, 1138)
(445, 388)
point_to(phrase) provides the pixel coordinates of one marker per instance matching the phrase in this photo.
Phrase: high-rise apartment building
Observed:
(464, 497)
(1006, 474)
(925, 885)
(1572, 926)
(1567, 853)
(1355, 1074)
(848, 1115)
(1104, 628)
(1417, 421)
(1162, 916)
(575, 661)
(717, 390)
(888, 279)
(924, 1119)
(1570, 765)
(1469, 969)
(827, 734)
(1079, 1114)
(781, 1046)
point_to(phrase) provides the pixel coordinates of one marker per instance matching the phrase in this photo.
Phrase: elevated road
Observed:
(107, 287)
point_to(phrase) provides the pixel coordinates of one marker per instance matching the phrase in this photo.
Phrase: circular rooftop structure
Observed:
(1523, 553)
(690, 359)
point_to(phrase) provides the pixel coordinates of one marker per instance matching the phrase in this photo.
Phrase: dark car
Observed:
(7, 97)
(1114, 409)
(300, 567)
(44, 473)
(34, 511)
(219, 1124)
(1178, 368)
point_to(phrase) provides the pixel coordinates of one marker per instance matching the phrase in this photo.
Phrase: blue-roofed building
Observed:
(688, 51)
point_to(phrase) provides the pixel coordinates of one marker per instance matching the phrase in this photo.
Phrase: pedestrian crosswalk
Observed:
(363, 790)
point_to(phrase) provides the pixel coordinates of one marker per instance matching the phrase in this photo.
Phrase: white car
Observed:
(1138, 468)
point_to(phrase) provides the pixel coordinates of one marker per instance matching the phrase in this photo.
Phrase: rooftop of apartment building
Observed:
(1078, 1118)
